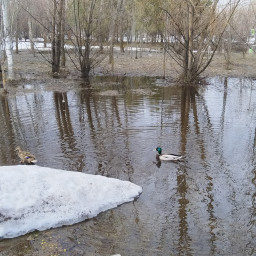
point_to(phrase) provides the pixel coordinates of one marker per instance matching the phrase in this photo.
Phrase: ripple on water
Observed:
(204, 205)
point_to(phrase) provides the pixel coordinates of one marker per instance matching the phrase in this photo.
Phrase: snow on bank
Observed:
(39, 46)
(38, 198)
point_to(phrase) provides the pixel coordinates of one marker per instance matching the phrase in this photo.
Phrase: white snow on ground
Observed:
(39, 198)
(39, 46)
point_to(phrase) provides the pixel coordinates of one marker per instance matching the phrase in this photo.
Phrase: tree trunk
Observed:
(112, 36)
(7, 39)
(228, 43)
(45, 38)
(63, 55)
(30, 34)
(189, 51)
(122, 27)
(56, 35)
(54, 65)
(133, 27)
(100, 27)
(17, 35)
(122, 44)
(86, 64)
(17, 43)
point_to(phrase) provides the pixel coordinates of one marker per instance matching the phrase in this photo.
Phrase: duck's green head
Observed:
(159, 150)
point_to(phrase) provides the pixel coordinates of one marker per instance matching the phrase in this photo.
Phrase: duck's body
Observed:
(167, 157)
(25, 157)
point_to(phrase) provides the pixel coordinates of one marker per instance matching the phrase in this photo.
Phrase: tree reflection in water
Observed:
(204, 205)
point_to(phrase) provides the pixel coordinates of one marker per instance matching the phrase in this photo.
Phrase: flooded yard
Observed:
(204, 205)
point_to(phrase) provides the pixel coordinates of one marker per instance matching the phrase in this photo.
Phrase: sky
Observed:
(242, 2)
(39, 198)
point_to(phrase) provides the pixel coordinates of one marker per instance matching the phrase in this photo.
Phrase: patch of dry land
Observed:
(152, 64)
(38, 70)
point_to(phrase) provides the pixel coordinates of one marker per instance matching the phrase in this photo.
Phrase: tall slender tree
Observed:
(7, 39)
(112, 32)
(30, 28)
(57, 23)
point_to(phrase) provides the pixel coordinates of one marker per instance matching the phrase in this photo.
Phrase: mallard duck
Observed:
(167, 157)
(25, 157)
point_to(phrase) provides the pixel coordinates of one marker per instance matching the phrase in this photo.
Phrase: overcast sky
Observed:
(241, 1)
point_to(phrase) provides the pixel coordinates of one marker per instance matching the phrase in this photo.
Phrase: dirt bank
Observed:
(151, 64)
(38, 70)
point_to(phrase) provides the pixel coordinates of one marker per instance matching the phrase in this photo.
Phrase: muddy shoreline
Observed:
(37, 70)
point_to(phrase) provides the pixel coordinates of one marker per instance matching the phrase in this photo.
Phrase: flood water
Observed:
(205, 205)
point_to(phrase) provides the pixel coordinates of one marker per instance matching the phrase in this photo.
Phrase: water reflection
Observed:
(204, 205)
(67, 139)
(188, 105)
(8, 137)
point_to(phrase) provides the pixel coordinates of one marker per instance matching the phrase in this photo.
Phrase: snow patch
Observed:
(39, 198)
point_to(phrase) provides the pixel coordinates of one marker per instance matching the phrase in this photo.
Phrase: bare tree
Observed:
(30, 28)
(16, 14)
(240, 29)
(63, 29)
(57, 23)
(196, 28)
(121, 25)
(116, 9)
(7, 40)
(83, 27)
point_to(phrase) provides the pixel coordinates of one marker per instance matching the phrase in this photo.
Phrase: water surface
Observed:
(204, 205)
